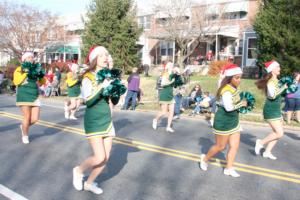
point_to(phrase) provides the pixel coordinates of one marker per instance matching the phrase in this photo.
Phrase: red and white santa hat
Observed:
(26, 55)
(94, 52)
(271, 65)
(232, 69)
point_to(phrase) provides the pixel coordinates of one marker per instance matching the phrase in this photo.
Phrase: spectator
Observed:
(209, 55)
(293, 102)
(146, 65)
(187, 74)
(58, 77)
(201, 103)
(132, 90)
(50, 86)
(196, 92)
(178, 99)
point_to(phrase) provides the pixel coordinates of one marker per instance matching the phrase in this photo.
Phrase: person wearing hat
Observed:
(98, 124)
(272, 109)
(27, 95)
(226, 125)
(73, 85)
(166, 99)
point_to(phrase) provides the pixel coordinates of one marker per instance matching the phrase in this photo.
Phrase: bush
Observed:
(215, 67)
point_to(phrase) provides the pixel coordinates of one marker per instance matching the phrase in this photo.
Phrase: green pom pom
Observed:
(291, 84)
(34, 70)
(178, 80)
(103, 74)
(114, 91)
(250, 102)
(116, 73)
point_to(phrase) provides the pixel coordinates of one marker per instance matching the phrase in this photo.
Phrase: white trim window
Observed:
(144, 22)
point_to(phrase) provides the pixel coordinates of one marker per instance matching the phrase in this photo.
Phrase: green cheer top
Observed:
(272, 106)
(97, 117)
(27, 89)
(226, 121)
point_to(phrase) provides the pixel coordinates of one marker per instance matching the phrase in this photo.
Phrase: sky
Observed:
(67, 7)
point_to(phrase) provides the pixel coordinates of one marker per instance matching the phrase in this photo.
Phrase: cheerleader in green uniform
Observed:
(226, 126)
(27, 94)
(98, 123)
(272, 108)
(73, 85)
(166, 99)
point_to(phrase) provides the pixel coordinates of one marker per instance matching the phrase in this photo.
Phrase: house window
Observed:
(166, 48)
(144, 22)
(252, 48)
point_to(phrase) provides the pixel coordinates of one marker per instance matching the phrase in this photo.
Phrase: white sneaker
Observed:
(176, 117)
(77, 179)
(93, 188)
(154, 124)
(73, 117)
(203, 164)
(25, 138)
(258, 147)
(231, 172)
(269, 155)
(67, 115)
(169, 129)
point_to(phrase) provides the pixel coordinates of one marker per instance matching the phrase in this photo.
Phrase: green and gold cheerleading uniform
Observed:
(27, 89)
(226, 122)
(73, 85)
(166, 93)
(97, 117)
(272, 106)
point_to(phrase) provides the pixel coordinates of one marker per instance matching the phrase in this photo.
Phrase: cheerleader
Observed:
(166, 99)
(272, 108)
(28, 92)
(98, 124)
(226, 125)
(73, 85)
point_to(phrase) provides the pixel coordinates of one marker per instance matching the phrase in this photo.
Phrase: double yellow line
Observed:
(280, 175)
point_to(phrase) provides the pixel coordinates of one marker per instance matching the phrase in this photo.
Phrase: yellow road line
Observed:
(171, 152)
(163, 149)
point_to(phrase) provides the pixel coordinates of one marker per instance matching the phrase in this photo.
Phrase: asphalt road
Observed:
(144, 164)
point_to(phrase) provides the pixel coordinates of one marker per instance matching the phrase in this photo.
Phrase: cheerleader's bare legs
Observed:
(73, 107)
(221, 142)
(166, 110)
(101, 151)
(30, 116)
(270, 140)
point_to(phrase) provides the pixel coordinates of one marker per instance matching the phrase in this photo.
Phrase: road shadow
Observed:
(205, 144)
(117, 160)
(10, 127)
(293, 136)
(120, 124)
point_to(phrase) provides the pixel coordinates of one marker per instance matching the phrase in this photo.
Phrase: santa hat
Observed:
(232, 69)
(94, 52)
(271, 65)
(26, 55)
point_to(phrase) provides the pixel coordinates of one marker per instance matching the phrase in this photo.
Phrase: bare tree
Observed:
(186, 24)
(24, 28)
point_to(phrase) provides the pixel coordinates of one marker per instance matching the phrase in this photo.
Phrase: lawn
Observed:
(207, 84)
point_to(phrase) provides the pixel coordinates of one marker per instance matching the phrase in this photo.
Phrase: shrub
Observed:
(216, 66)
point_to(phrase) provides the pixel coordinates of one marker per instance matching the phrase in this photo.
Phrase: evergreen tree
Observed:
(278, 27)
(111, 23)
